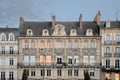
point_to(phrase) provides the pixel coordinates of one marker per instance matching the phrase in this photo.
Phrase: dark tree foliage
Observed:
(25, 76)
(86, 76)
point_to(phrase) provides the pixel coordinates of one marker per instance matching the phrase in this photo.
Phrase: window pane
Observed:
(26, 60)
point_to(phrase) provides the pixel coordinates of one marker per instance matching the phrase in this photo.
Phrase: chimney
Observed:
(21, 19)
(98, 18)
(80, 20)
(53, 21)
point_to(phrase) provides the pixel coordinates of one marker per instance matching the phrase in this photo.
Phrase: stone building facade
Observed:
(8, 53)
(56, 50)
(59, 50)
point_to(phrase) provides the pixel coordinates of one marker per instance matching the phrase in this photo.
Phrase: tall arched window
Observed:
(117, 38)
(117, 63)
(3, 37)
(59, 44)
(42, 44)
(32, 44)
(85, 44)
(70, 44)
(92, 44)
(26, 44)
(107, 63)
(108, 37)
(49, 44)
(76, 45)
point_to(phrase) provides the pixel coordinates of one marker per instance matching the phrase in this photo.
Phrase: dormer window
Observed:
(73, 32)
(3, 37)
(45, 32)
(29, 32)
(108, 24)
(89, 32)
(11, 37)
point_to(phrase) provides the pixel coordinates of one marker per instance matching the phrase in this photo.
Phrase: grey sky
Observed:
(64, 10)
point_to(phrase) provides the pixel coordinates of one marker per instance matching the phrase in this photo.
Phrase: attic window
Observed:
(45, 32)
(29, 32)
(89, 32)
(108, 24)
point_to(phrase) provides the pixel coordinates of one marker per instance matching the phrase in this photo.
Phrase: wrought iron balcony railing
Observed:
(29, 50)
(108, 42)
(117, 42)
(117, 55)
(110, 68)
(14, 52)
(89, 50)
(59, 50)
(72, 50)
(108, 54)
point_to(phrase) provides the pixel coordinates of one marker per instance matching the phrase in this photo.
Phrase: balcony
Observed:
(8, 53)
(108, 42)
(29, 50)
(49, 50)
(117, 42)
(110, 69)
(42, 50)
(59, 50)
(117, 55)
(72, 50)
(85, 50)
(92, 50)
(108, 54)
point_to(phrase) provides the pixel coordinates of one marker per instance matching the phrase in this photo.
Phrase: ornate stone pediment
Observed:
(59, 30)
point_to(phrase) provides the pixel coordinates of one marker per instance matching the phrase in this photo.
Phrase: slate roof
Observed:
(113, 24)
(37, 27)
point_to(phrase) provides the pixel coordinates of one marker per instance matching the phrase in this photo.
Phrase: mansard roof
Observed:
(113, 24)
(37, 27)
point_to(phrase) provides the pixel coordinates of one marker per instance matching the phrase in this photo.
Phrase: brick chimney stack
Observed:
(80, 20)
(98, 18)
(53, 21)
(21, 19)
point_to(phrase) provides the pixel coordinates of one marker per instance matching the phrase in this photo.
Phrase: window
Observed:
(42, 72)
(48, 59)
(59, 44)
(42, 44)
(26, 60)
(11, 76)
(11, 37)
(11, 49)
(32, 73)
(26, 45)
(3, 37)
(92, 60)
(69, 72)
(29, 32)
(117, 63)
(76, 72)
(76, 59)
(85, 44)
(107, 63)
(85, 59)
(2, 75)
(117, 38)
(76, 44)
(92, 73)
(42, 60)
(69, 59)
(108, 50)
(117, 50)
(3, 49)
(32, 44)
(32, 60)
(48, 72)
(11, 61)
(49, 44)
(59, 59)
(70, 44)
(59, 72)
(92, 45)
(2, 61)
(108, 37)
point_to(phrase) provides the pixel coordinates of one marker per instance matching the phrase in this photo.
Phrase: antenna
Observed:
(52, 13)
